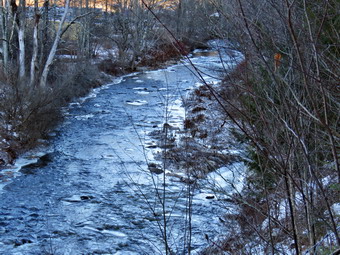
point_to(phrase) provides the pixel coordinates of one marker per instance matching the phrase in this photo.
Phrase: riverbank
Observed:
(203, 142)
(29, 114)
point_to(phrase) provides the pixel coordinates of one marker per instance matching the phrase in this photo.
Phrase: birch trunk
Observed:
(34, 60)
(4, 32)
(49, 61)
(21, 38)
(44, 33)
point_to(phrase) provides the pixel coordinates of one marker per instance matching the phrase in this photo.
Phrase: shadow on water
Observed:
(41, 162)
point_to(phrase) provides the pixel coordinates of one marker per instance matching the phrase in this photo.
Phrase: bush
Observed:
(28, 114)
(110, 67)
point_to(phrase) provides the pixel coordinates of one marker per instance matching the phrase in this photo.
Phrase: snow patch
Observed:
(326, 180)
(215, 15)
(228, 179)
(336, 209)
(8, 174)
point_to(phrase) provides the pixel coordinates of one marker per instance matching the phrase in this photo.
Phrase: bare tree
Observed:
(34, 60)
(4, 24)
(286, 108)
(49, 61)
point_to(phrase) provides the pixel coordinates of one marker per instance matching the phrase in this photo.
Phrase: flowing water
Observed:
(90, 191)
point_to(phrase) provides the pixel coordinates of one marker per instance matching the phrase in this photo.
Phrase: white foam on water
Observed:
(137, 102)
(115, 233)
(139, 88)
(84, 117)
(142, 92)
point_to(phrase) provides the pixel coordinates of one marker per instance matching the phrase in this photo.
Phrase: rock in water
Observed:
(155, 168)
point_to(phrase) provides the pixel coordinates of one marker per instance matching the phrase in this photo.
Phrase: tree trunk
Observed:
(4, 33)
(292, 210)
(49, 61)
(44, 34)
(34, 60)
(21, 38)
(21, 16)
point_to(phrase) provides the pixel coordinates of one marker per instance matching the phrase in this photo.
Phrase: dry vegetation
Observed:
(282, 100)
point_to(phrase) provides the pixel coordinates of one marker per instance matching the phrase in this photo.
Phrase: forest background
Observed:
(282, 99)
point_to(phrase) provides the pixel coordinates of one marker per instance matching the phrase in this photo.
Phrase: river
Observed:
(90, 191)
